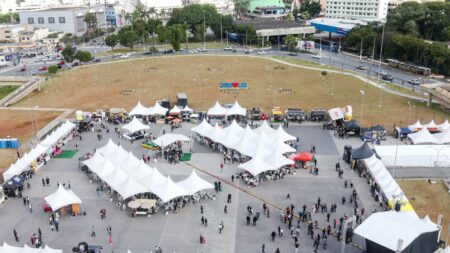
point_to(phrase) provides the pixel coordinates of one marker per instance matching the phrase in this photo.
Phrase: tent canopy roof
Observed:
(168, 190)
(217, 110)
(236, 109)
(139, 109)
(61, 198)
(386, 228)
(194, 184)
(135, 125)
(362, 152)
(169, 138)
(423, 136)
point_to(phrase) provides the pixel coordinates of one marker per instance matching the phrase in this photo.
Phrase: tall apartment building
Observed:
(366, 10)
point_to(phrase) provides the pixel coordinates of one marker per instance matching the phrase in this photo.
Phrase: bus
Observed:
(419, 70)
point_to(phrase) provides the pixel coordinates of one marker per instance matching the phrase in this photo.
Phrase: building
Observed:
(267, 9)
(66, 20)
(163, 8)
(10, 33)
(223, 6)
(32, 36)
(111, 15)
(8, 6)
(366, 10)
(395, 3)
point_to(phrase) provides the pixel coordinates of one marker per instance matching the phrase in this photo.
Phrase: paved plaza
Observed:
(180, 232)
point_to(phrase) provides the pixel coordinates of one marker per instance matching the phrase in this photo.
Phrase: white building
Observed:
(366, 10)
(8, 6)
(222, 6)
(67, 20)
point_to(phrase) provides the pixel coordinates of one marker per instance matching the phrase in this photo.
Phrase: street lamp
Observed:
(204, 29)
(379, 65)
(35, 119)
(410, 109)
(362, 104)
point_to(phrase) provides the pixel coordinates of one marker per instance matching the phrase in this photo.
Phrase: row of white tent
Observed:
(414, 155)
(6, 248)
(218, 110)
(157, 109)
(128, 175)
(135, 125)
(265, 145)
(25, 161)
(430, 125)
(425, 137)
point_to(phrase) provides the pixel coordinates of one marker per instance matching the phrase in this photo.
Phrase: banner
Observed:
(233, 86)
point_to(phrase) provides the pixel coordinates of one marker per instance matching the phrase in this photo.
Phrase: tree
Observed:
(68, 53)
(241, 7)
(52, 69)
(312, 8)
(246, 33)
(91, 22)
(152, 24)
(162, 33)
(111, 41)
(194, 15)
(9, 18)
(177, 34)
(410, 27)
(291, 41)
(83, 56)
(127, 38)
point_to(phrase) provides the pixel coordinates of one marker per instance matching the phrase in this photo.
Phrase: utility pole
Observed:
(204, 29)
(360, 50)
(379, 65)
(221, 40)
(187, 35)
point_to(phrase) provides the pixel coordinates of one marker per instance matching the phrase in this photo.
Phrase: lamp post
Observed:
(221, 39)
(410, 109)
(379, 64)
(35, 119)
(363, 94)
(204, 29)
(360, 49)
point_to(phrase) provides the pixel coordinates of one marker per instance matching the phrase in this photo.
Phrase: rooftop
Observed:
(262, 23)
(265, 3)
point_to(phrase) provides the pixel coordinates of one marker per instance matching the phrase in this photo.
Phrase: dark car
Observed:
(22, 69)
(292, 54)
(96, 60)
(295, 114)
(75, 64)
(317, 115)
(387, 77)
(170, 51)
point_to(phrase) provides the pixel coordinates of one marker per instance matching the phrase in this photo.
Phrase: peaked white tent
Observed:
(233, 129)
(386, 228)
(139, 109)
(26, 249)
(24, 162)
(416, 126)
(135, 125)
(216, 134)
(119, 156)
(106, 169)
(194, 183)
(175, 110)
(157, 109)
(130, 163)
(265, 128)
(153, 179)
(130, 187)
(203, 128)
(61, 198)
(431, 126)
(423, 137)
(236, 109)
(217, 110)
(281, 135)
(58, 133)
(187, 109)
(95, 161)
(256, 166)
(168, 190)
(414, 155)
(141, 171)
(109, 148)
(169, 138)
(116, 178)
(443, 137)
(444, 125)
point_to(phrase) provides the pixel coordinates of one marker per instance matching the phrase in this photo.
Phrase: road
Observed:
(341, 61)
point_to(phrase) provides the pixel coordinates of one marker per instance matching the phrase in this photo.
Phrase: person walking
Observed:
(30, 207)
(206, 222)
(273, 235)
(201, 209)
(328, 217)
(248, 220)
(43, 182)
(40, 233)
(93, 232)
(225, 209)
(47, 180)
(16, 237)
(278, 250)
(203, 221)
(220, 227)
(229, 198)
(232, 178)
(263, 248)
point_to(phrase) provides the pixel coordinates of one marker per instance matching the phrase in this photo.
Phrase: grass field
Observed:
(5, 90)
(19, 124)
(199, 76)
(429, 199)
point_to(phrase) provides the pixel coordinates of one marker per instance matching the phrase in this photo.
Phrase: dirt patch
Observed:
(199, 76)
(431, 199)
(20, 124)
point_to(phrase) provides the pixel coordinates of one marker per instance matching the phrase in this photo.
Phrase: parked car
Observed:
(34, 72)
(316, 56)
(361, 67)
(61, 63)
(22, 69)
(317, 115)
(75, 64)
(116, 56)
(43, 68)
(261, 53)
(227, 48)
(295, 114)
(414, 81)
(170, 51)
(96, 60)
(202, 50)
(292, 54)
(135, 136)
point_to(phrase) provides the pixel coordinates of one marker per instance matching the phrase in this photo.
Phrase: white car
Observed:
(117, 56)
(317, 56)
(228, 48)
(261, 53)
(193, 51)
(127, 55)
(202, 49)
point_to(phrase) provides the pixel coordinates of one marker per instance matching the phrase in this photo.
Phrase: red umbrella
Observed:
(302, 156)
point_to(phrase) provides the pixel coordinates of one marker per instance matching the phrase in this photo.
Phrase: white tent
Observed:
(116, 178)
(141, 171)
(26, 249)
(233, 129)
(135, 125)
(96, 161)
(187, 109)
(169, 138)
(157, 109)
(139, 109)
(443, 137)
(279, 161)
(203, 128)
(168, 190)
(119, 156)
(386, 228)
(175, 110)
(130, 187)
(444, 126)
(383, 178)
(61, 198)
(47, 249)
(106, 169)
(153, 179)
(109, 148)
(414, 155)
(130, 163)
(281, 135)
(446, 250)
(216, 134)
(415, 127)
(24, 162)
(265, 128)
(60, 132)
(423, 137)
(256, 166)
(431, 126)
(236, 109)
(194, 184)
(217, 110)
